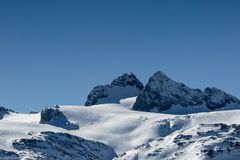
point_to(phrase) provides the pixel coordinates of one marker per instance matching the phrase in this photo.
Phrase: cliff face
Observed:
(161, 93)
(124, 86)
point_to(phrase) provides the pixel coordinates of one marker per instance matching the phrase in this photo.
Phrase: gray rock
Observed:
(217, 98)
(124, 86)
(161, 93)
(52, 116)
(98, 92)
(5, 155)
(127, 79)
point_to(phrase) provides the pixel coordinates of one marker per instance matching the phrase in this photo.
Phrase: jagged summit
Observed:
(124, 86)
(160, 75)
(161, 93)
(127, 79)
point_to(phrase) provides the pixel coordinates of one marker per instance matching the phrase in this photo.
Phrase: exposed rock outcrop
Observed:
(124, 86)
(216, 98)
(161, 93)
(52, 116)
(5, 155)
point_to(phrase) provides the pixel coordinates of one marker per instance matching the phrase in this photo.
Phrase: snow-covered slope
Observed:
(55, 146)
(124, 86)
(203, 141)
(131, 134)
(4, 111)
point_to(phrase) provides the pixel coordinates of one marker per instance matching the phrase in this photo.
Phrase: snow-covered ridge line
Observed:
(55, 146)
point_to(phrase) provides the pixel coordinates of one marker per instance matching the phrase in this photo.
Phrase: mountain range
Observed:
(161, 93)
(127, 120)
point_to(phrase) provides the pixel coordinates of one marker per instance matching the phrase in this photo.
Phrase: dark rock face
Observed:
(124, 86)
(56, 118)
(161, 93)
(127, 80)
(50, 113)
(217, 98)
(61, 146)
(8, 155)
(98, 92)
(4, 111)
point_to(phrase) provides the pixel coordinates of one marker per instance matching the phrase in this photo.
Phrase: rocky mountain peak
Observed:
(161, 93)
(125, 86)
(159, 76)
(127, 79)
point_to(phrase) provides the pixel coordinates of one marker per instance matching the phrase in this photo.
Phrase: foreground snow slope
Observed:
(55, 146)
(204, 141)
(121, 128)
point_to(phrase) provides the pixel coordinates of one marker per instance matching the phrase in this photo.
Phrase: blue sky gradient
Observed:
(54, 52)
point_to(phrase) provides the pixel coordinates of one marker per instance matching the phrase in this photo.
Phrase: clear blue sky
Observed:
(54, 52)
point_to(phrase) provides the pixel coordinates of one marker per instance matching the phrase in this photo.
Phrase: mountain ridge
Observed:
(168, 125)
(159, 94)
(124, 86)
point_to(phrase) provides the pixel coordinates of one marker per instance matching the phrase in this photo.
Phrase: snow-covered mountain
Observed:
(124, 86)
(183, 124)
(162, 93)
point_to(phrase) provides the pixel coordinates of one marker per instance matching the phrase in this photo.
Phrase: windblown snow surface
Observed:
(133, 135)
